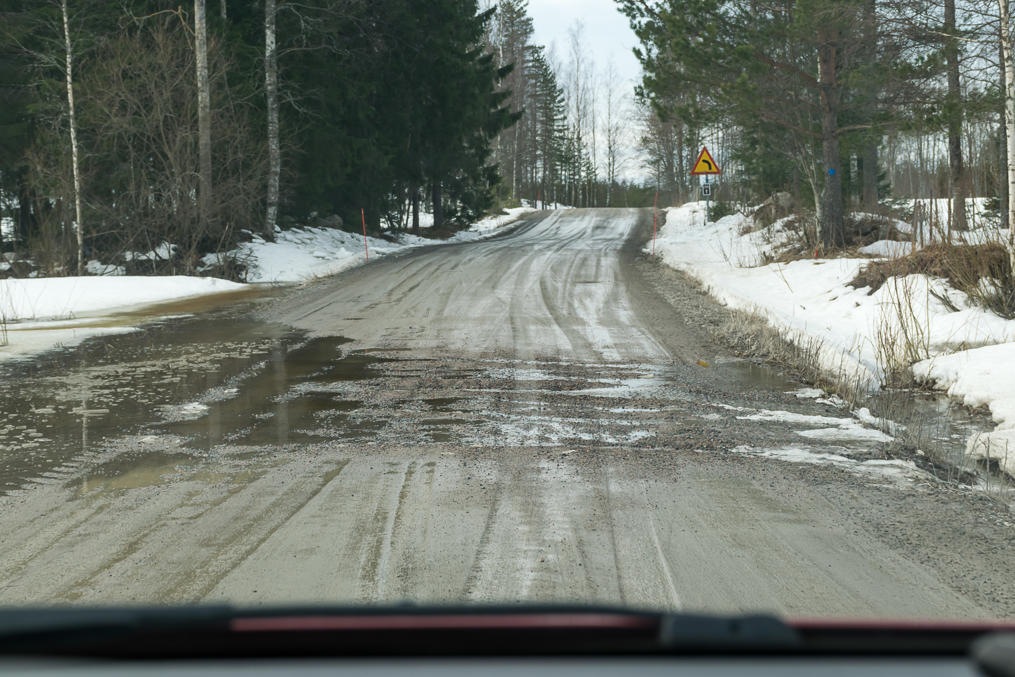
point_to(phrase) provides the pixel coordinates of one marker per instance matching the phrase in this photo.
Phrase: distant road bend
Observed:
(555, 288)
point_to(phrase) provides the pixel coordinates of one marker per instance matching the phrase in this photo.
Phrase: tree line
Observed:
(574, 141)
(126, 125)
(840, 102)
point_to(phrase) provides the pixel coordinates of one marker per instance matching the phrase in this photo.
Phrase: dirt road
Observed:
(522, 419)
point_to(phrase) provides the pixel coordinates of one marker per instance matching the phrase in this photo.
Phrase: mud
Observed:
(526, 419)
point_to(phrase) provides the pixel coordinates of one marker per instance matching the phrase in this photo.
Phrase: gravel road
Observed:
(542, 416)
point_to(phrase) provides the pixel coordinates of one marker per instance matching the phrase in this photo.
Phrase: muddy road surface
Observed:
(542, 416)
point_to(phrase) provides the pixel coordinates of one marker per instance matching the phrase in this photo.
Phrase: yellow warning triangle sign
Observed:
(705, 164)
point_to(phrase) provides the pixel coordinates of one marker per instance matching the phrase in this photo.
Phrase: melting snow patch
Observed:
(808, 393)
(793, 417)
(865, 415)
(851, 433)
(898, 472)
(845, 429)
(183, 412)
(520, 374)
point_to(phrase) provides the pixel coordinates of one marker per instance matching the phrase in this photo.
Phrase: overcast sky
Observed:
(607, 32)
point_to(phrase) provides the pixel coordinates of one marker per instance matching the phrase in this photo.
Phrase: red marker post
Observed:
(364, 217)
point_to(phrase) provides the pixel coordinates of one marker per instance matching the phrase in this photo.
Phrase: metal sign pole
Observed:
(708, 199)
(704, 166)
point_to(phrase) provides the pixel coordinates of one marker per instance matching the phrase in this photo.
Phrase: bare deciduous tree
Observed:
(1008, 70)
(204, 195)
(72, 120)
(271, 93)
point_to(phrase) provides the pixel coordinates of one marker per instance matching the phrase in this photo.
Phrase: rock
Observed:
(778, 206)
(333, 221)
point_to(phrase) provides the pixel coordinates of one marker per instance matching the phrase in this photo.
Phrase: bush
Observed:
(983, 272)
(719, 209)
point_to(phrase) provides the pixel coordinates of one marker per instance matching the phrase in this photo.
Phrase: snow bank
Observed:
(68, 297)
(982, 377)
(499, 221)
(892, 249)
(810, 302)
(302, 254)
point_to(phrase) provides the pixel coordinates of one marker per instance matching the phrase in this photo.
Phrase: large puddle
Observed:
(59, 407)
(225, 378)
(284, 399)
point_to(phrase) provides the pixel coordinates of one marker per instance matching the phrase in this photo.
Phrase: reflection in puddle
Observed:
(286, 399)
(757, 376)
(59, 407)
(132, 471)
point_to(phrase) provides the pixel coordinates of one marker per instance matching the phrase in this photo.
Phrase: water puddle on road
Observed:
(287, 398)
(62, 406)
(230, 380)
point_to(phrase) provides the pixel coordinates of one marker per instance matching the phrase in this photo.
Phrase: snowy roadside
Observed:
(968, 352)
(38, 314)
(302, 254)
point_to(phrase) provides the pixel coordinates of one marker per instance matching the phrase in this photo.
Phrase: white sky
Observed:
(607, 33)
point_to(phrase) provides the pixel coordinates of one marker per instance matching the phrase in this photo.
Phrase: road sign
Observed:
(705, 164)
(706, 190)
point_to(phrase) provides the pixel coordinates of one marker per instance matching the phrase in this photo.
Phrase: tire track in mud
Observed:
(374, 571)
(270, 531)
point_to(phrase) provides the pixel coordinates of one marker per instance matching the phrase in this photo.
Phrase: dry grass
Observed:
(750, 334)
(904, 417)
(983, 272)
(802, 242)
(902, 336)
(4, 303)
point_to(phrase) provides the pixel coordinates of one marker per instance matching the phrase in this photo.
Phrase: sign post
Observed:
(705, 166)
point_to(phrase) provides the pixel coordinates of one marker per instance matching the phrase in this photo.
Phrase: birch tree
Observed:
(613, 130)
(271, 92)
(1008, 70)
(69, 71)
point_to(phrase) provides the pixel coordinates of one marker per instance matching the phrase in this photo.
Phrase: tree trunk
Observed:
(1008, 68)
(26, 219)
(271, 91)
(204, 195)
(438, 207)
(832, 221)
(222, 10)
(1003, 147)
(869, 153)
(78, 223)
(415, 209)
(953, 108)
(870, 176)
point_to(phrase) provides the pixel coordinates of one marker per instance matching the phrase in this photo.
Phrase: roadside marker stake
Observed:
(364, 217)
(655, 220)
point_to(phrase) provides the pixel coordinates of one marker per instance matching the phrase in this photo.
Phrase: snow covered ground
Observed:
(60, 298)
(301, 254)
(970, 353)
(38, 314)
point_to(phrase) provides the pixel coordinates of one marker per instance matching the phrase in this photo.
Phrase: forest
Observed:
(141, 124)
(127, 125)
(844, 104)
(132, 124)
